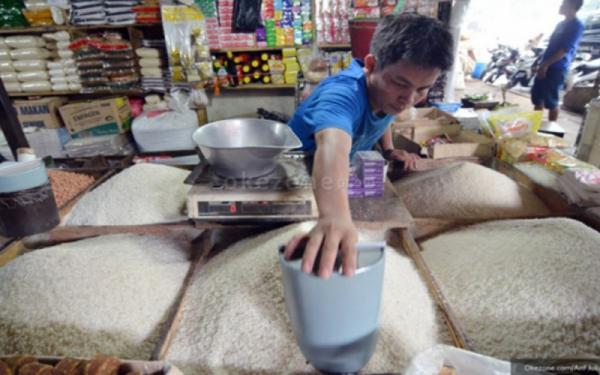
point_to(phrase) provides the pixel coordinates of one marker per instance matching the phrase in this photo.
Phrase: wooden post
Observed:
(10, 124)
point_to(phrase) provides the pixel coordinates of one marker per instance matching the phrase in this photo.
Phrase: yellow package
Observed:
(515, 124)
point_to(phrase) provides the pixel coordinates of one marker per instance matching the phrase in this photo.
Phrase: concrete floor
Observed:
(570, 121)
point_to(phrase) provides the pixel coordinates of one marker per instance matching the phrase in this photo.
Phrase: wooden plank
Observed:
(12, 250)
(557, 203)
(201, 248)
(261, 86)
(68, 234)
(63, 211)
(413, 250)
(381, 213)
(429, 227)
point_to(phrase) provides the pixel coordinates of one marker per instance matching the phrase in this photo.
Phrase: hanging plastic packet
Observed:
(187, 44)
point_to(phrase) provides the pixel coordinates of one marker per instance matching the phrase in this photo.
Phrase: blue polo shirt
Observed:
(566, 36)
(340, 102)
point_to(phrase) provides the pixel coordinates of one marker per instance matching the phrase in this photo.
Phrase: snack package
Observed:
(514, 124)
(187, 44)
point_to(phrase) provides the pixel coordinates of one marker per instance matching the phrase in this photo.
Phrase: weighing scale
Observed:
(285, 194)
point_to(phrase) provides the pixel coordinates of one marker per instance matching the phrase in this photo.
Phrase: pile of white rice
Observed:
(141, 194)
(523, 288)
(467, 190)
(108, 295)
(235, 320)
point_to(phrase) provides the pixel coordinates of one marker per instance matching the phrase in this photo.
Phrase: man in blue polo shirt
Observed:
(351, 112)
(557, 59)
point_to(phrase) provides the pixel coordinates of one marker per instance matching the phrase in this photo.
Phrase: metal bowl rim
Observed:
(295, 139)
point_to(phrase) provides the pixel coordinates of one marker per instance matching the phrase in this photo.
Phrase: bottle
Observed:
(255, 63)
(266, 79)
(265, 68)
(231, 70)
(246, 69)
(256, 76)
(247, 80)
(264, 56)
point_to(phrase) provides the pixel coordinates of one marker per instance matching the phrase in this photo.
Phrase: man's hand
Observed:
(542, 71)
(329, 236)
(410, 160)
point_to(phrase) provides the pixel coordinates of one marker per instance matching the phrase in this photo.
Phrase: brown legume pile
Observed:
(67, 185)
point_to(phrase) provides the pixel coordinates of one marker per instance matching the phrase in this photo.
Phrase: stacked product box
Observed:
(355, 187)
(370, 169)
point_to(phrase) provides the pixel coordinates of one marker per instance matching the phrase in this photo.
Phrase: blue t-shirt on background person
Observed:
(566, 36)
(341, 102)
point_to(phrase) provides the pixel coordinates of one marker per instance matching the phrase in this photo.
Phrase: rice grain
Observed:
(141, 194)
(467, 190)
(235, 319)
(107, 295)
(522, 288)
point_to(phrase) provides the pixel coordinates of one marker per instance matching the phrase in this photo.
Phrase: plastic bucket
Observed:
(361, 33)
(27, 203)
(336, 321)
(478, 70)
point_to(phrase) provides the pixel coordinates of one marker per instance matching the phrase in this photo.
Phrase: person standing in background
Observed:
(557, 59)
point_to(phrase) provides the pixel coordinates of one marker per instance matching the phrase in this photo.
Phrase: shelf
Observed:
(74, 93)
(48, 29)
(334, 46)
(39, 29)
(261, 86)
(249, 49)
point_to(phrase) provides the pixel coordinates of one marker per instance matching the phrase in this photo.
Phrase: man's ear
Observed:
(370, 63)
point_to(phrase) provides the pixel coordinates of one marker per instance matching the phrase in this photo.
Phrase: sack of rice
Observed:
(235, 321)
(107, 295)
(141, 194)
(523, 288)
(467, 190)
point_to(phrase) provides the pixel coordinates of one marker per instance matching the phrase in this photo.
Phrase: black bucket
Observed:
(28, 211)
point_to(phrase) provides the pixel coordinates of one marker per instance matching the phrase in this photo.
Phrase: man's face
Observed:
(399, 86)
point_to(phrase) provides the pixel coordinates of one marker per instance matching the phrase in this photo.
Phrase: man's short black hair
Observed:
(577, 4)
(420, 40)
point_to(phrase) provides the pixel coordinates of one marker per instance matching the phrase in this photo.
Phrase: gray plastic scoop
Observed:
(335, 321)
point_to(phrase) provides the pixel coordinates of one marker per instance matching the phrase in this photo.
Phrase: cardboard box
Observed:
(40, 113)
(421, 124)
(97, 117)
(466, 143)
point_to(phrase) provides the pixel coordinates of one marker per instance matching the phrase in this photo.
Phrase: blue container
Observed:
(478, 70)
(448, 107)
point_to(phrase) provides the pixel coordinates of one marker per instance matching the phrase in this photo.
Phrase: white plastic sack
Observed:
(29, 65)
(8, 77)
(6, 67)
(24, 41)
(12, 86)
(431, 361)
(165, 131)
(147, 52)
(33, 76)
(29, 53)
(36, 86)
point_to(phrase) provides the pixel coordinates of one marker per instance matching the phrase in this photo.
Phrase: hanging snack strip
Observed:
(105, 62)
(187, 44)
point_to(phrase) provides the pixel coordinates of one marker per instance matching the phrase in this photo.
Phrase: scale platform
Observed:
(282, 195)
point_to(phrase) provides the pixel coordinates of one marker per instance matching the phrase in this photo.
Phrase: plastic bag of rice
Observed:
(467, 190)
(235, 320)
(107, 295)
(141, 194)
(522, 288)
